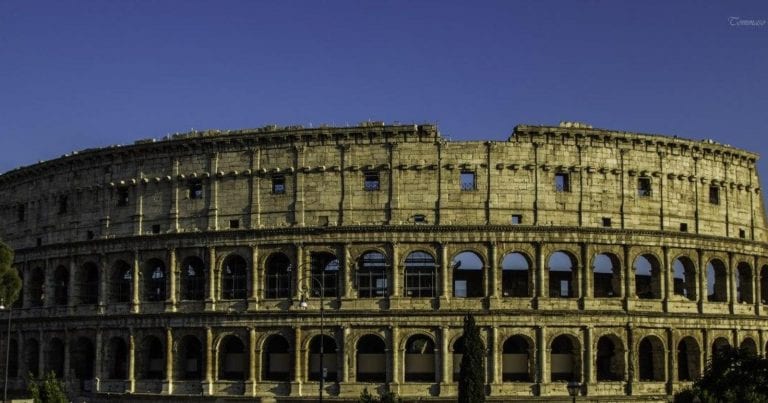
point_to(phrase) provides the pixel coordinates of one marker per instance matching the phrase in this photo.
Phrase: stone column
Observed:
(298, 355)
(256, 281)
(540, 289)
(345, 357)
(756, 289)
(446, 370)
(630, 359)
(542, 369)
(588, 274)
(668, 273)
(173, 213)
(496, 352)
(210, 295)
(702, 279)
(255, 187)
(396, 371)
(72, 291)
(131, 385)
(588, 368)
(731, 270)
(254, 363)
(173, 272)
(445, 273)
(135, 275)
(396, 272)
(671, 361)
(169, 360)
(494, 273)
(298, 272)
(208, 384)
(98, 359)
(349, 272)
(629, 278)
(213, 193)
(103, 283)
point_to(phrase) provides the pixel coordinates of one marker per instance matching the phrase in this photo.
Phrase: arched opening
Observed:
(720, 346)
(154, 280)
(609, 359)
(515, 275)
(189, 359)
(278, 276)
(55, 355)
(648, 277)
(82, 355)
(606, 269)
(420, 359)
(419, 275)
(688, 353)
(684, 278)
(121, 280)
(372, 275)
(748, 347)
(516, 360)
(61, 286)
(13, 359)
(764, 284)
(117, 359)
(327, 345)
(717, 281)
(234, 278)
(193, 276)
(152, 356)
(564, 359)
(744, 283)
(651, 359)
(458, 353)
(232, 359)
(36, 283)
(276, 359)
(32, 356)
(562, 275)
(324, 269)
(88, 284)
(371, 359)
(467, 275)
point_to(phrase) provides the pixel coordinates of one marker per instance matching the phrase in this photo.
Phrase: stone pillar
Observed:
(629, 278)
(173, 273)
(254, 362)
(348, 272)
(671, 361)
(541, 373)
(256, 281)
(446, 369)
(298, 272)
(588, 367)
(494, 273)
(173, 213)
(213, 193)
(73, 296)
(630, 359)
(540, 289)
(588, 274)
(756, 289)
(496, 352)
(397, 367)
(298, 357)
(731, 270)
(702, 279)
(98, 360)
(131, 386)
(668, 273)
(255, 187)
(345, 357)
(208, 384)
(396, 272)
(168, 360)
(135, 275)
(103, 283)
(445, 273)
(210, 292)
(298, 189)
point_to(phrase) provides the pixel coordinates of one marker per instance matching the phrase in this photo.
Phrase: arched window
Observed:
(562, 275)
(32, 356)
(55, 357)
(515, 275)
(419, 359)
(371, 359)
(327, 345)
(152, 356)
(122, 279)
(276, 359)
(372, 275)
(458, 354)
(606, 272)
(232, 359)
(154, 280)
(720, 346)
(764, 285)
(651, 359)
(467, 275)
(324, 270)
(193, 276)
(744, 283)
(717, 281)
(233, 278)
(516, 365)
(189, 359)
(748, 347)
(88, 284)
(61, 286)
(609, 359)
(117, 359)
(36, 282)
(684, 278)
(564, 359)
(278, 276)
(688, 353)
(81, 359)
(647, 277)
(419, 275)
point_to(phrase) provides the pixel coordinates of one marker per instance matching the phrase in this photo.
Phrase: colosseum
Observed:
(220, 264)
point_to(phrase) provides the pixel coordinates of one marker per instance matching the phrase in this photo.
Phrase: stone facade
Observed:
(193, 265)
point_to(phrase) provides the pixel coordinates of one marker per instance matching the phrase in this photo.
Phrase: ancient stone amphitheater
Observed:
(194, 265)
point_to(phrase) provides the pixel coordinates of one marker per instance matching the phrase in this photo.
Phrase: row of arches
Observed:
(373, 277)
(371, 361)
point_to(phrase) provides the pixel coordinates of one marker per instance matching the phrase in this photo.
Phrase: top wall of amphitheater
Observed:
(542, 176)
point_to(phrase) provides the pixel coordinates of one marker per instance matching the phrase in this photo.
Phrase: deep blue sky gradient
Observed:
(81, 74)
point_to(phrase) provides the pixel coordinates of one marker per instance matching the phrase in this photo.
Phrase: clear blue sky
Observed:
(80, 74)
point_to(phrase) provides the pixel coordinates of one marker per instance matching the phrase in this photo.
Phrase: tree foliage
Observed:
(386, 397)
(10, 282)
(733, 375)
(47, 389)
(472, 370)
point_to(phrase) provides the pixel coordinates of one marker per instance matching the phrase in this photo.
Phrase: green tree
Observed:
(472, 370)
(47, 389)
(386, 397)
(10, 282)
(733, 375)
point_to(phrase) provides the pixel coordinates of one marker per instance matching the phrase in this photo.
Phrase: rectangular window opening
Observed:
(278, 184)
(21, 212)
(607, 222)
(89, 235)
(234, 224)
(562, 182)
(742, 233)
(156, 229)
(63, 204)
(371, 181)
(39, 242)
(195, 189)
(420, 219)
(644, 187)
(683, 227)
(122, 197)
(714, 195)
(467, 179)
(517, 219)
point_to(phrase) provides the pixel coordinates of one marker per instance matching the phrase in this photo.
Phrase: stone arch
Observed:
(55, 357)
(419, 271)
(651, 359)
(420, 359)
(717, 281)
(151, 358)
(36, 287)
(276, 358)
(609, 358)
(606, 272)
(190, 358)
(457, 349)
(564, 358)
(121, 282)
(516, 275)
(32, 356)
(324, 345)
(684, 277)
(372, 275)
(688, 359)
(324, 269)
(371, 359)
(82, 358)
(154, 276)
(468, 274)
(516, 359)
(720, 345)
(232, 358)
(234, 277)
(87, 282)
(278, 276)
(647, 269)
(744, 283)
(563, 274)
(60, 286)
(194, 274)
(748, 346)
(117, 358)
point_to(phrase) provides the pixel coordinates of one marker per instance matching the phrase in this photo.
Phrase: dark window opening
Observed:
(278, 184)
(371, 181)
(89, 235)
(63, 204)
(156, 229)
(683, 227)
(324, 269)
(515, 275)
(714, 195)
(644, 187)
(278, 276)
(517, 219)
(467, 275)
(562, 182)
(372, 275)
(276, 359)
(420, 219)
(467, 179)
(195, 189)
(21, 212)
(122, 197)
(607, 222)
(193, 275)
(39, 242)
(420, 275)
(742, 233)
(234, 278)
(234, 224)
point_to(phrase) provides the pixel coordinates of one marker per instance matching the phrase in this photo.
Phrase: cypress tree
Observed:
(472, 371)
